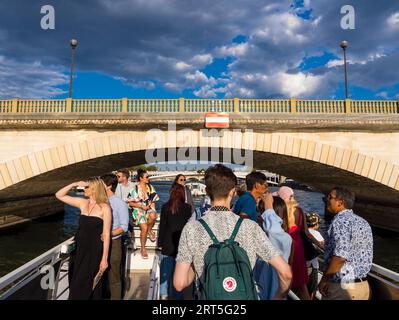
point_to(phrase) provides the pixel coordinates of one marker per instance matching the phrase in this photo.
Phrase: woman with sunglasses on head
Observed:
(142, 200)
(91, 252)
(181, 179)
(297, 228)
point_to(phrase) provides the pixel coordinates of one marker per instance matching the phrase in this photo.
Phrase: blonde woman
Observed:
(91, 252)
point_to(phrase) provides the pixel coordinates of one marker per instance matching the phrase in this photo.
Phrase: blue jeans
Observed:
(167, 269)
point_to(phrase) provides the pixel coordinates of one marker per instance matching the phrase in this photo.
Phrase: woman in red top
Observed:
(296, 226)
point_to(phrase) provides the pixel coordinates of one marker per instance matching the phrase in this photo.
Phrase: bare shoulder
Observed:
(105, 207)
(83, 203)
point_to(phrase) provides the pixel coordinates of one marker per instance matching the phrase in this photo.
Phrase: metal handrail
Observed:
(377, 269)
(32, 268)
(391, 275)
(292, 296)
(153, 291)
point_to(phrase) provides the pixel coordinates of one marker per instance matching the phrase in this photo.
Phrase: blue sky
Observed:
(199, 49)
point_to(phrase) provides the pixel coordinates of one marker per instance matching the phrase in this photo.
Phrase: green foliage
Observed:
(145, 167)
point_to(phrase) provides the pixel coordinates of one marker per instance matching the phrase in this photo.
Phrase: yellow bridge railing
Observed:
(235, 105)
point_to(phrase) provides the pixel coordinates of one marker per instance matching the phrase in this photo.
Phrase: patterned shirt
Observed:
(194, 240)
(350, 237)
(147, 198)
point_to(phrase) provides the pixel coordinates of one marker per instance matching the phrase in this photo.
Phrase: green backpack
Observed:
(227, 272)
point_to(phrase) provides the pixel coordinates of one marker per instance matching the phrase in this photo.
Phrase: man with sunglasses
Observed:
(245, 206)
(348, 253)
(124, 184)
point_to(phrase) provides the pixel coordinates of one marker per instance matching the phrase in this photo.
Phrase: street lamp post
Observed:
(344, 45)
(73, 44)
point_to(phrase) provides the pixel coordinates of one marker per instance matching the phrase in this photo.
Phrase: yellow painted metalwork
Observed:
(292, 104)
(14, 106)
(69, 104)
(6, 106)
(236, 105)
(125, 105)
(348, 106)
(181, 105)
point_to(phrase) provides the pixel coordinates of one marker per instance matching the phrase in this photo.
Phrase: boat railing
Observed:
(378, 271)
(153, 291)
(292, 296)
(38, 278)
(45, 277)
(384, 283)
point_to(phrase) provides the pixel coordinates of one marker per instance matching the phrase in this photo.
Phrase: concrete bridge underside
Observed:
(35, 162)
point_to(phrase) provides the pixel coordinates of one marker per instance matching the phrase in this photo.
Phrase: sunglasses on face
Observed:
(87, 187)
(182, 179)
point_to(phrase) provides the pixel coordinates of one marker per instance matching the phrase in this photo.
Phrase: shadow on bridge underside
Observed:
(378, 202)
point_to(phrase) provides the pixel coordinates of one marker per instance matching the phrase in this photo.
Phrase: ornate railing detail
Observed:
(236, 105)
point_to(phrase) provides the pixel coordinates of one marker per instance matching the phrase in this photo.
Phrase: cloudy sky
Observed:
(199, 48)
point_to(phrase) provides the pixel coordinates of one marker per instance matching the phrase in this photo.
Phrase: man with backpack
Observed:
(221, 248)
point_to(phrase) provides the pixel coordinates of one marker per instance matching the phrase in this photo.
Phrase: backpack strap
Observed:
(235, 231)
(207, 229)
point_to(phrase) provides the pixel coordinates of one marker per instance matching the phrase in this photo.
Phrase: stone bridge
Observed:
(43, 148)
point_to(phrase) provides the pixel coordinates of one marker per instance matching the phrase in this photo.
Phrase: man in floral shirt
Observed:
(349, 251)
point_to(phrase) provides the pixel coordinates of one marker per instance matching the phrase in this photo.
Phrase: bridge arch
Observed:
(318, 163)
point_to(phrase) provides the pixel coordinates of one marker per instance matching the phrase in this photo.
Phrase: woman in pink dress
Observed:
(300, 276)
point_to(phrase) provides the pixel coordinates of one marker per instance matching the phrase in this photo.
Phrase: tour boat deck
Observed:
(46, 277)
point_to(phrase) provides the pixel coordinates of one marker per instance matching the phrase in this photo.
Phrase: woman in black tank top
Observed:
(91, 253)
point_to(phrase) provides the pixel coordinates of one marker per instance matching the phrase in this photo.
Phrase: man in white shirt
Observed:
(120, 222)
(124, 184)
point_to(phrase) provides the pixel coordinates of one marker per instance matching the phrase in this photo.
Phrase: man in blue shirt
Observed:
(348, 253)
(120, 222)
(245, 206)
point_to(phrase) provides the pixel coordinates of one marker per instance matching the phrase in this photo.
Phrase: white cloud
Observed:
(393, 20)
(201, 60)
(208, 91)
(182, 66)
(335, 63)
(282, 27)
(270, 7)
(30, 80)
(199, 78)
(234, 50)
(383, 94)
(299, 84)
(245, 93)
(317, 21)
(281, 84)
(175, 87)
(205, 92)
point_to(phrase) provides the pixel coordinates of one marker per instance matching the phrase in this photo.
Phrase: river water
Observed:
(19, 245)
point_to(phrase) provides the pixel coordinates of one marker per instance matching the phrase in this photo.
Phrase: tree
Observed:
(144, 167)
